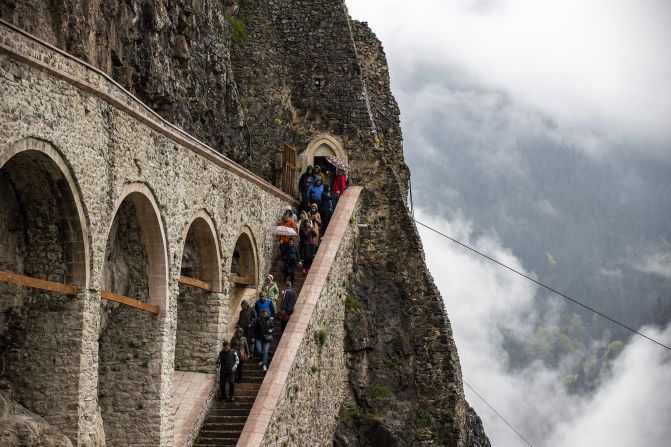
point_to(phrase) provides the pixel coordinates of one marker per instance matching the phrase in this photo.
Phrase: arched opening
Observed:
(244, 275)
(42, 237)
(198, 303)
(130, 348)
(317, 152)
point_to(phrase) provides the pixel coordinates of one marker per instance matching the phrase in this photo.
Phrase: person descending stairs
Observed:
(225, 420)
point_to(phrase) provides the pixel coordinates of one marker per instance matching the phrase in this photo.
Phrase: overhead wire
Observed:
(498, 414)
(563, 295)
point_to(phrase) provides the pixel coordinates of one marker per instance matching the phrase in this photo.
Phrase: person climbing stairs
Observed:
(225, 420)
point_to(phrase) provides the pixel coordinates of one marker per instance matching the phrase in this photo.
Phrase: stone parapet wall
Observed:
(109, 145)
(301, 396)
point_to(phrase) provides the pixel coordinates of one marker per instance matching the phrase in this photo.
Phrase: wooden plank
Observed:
(106, 294)
(196, 283)
(239, 279)
(42, 284)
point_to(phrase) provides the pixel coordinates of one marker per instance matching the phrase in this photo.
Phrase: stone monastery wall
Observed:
(98, 192)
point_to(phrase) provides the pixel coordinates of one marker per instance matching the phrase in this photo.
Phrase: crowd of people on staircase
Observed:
(298, 247)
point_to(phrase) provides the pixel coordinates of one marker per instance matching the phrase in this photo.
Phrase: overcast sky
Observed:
(523, 120)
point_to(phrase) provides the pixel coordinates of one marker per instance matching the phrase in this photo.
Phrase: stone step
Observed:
(218, 416)
(223, 407)
(224, 426)
(209, 434)
(218, 441)
(225, 421)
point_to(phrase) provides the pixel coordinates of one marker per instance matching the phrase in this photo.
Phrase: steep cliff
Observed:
(173, 55)
(249, 77)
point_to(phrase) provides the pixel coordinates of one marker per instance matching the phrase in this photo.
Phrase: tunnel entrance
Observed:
(41, 237)
(198, 303)
(130, 348)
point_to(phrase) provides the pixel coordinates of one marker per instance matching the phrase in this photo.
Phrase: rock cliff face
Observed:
(249, 77)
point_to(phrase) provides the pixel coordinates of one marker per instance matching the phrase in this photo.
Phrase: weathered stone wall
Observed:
(314, 390)
(108, 144)
(173, 55)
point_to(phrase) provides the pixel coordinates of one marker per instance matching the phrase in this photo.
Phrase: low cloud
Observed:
(658, 263)
(485, 302)
(598, 69)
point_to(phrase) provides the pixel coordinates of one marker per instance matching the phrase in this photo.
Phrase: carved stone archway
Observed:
(322, 145)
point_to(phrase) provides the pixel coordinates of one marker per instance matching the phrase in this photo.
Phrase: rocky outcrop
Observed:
(20, 427)
(173, 55)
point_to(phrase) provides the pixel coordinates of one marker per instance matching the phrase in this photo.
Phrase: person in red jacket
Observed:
(339, 184)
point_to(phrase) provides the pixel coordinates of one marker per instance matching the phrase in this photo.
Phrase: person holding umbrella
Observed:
(339, 184)
(283, 236)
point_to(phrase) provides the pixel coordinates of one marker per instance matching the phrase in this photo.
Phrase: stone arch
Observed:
(141, 199)
(322, 145)
(205, 241)
(198, 311)
(75, 222)
(43, 235)
(130, 340)
(247, 267)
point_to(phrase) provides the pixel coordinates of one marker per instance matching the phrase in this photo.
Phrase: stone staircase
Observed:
(225, 420)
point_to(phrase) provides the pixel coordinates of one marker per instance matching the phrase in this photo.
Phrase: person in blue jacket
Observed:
(263, 303)
(315, 192)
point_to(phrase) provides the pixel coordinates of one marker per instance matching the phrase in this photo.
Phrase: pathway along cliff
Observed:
(252, 77)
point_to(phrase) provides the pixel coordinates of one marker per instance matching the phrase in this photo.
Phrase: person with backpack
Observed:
(239, 343)
(246, 322)
(264, 336)
(227, 362)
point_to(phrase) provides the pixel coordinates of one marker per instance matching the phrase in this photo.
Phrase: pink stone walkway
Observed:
(283, 359)
(189, 401)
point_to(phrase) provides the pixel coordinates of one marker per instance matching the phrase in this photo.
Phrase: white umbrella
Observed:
(281, 230)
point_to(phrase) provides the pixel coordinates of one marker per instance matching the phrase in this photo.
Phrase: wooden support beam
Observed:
(239, 279)
(42, 284)
(196, 283)
(106, 294)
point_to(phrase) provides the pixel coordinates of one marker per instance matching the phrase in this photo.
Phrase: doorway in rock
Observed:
(130, 339)
(41, 238)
